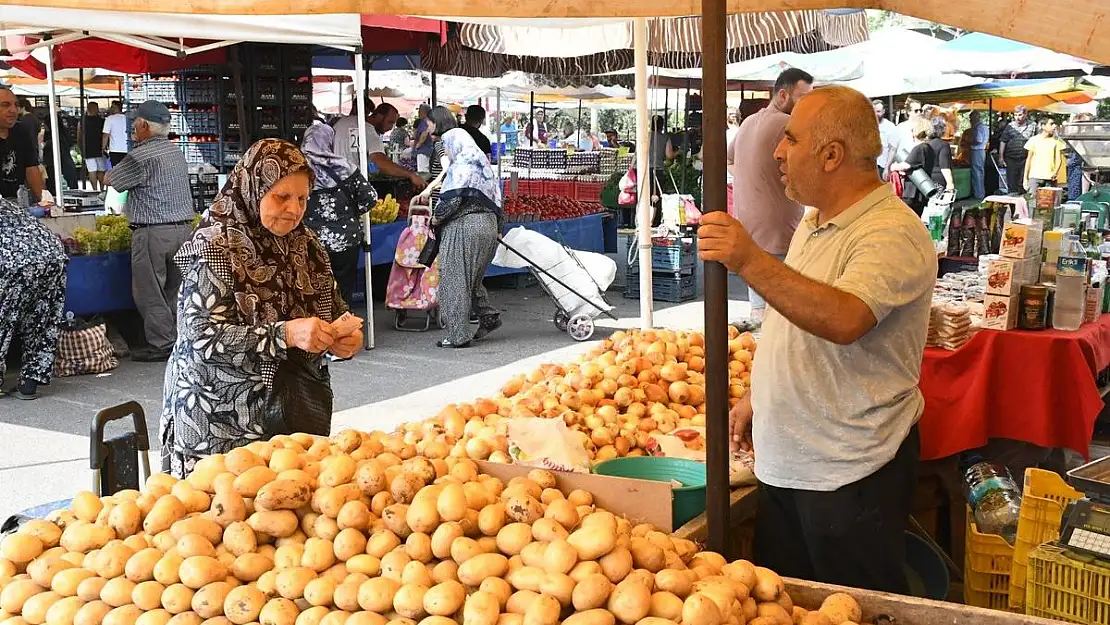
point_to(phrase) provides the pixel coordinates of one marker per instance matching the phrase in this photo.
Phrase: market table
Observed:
(1036, 387)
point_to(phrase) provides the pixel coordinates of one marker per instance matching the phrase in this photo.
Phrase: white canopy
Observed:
(161, 32)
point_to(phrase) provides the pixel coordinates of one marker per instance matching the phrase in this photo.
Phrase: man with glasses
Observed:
(905, 129)
(1012, 148)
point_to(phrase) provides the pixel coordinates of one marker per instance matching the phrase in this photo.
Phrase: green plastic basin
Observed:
(689, 499)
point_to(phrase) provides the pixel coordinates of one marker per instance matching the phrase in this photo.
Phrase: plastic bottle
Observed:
(995, 499)
(23, 196)
(1071, 283)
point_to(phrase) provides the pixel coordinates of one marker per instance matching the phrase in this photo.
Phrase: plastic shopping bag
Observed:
(547, 444)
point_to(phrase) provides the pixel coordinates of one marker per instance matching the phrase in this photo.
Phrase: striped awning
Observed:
(490, 48)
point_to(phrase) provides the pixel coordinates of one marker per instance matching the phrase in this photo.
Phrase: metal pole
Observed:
(497, 121)
(578, 128)
(55, 130)
(643, 170)
(716, 279)
(433, 89)
(364, 167)
(532, 118)
(81, 126)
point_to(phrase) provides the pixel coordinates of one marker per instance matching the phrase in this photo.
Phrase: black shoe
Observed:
(150, 354)
(474, 318)
(27, 390)
(489, 324)
(448, 343)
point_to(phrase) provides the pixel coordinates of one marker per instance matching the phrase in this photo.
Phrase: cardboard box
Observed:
(1005, 276)
(1021, 239)
(641, 501)
(1000, 312)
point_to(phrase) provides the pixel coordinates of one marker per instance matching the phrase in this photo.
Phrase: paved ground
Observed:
(44, 443)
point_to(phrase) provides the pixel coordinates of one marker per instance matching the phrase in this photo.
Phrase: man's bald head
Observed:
(844, 115)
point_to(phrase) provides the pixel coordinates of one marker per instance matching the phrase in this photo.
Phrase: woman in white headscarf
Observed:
(467, 218)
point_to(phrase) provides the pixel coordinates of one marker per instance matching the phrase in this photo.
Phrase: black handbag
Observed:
(430, 250)
(301, 400)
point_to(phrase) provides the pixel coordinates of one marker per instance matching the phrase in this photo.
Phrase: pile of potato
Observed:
(360, 529)
(635, 385)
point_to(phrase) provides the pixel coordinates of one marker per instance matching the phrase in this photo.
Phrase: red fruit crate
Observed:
(559, 188)
(588, 192)
(529, 187)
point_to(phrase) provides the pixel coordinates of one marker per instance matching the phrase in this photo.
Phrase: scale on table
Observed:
(1091, 141)
(1085, 526)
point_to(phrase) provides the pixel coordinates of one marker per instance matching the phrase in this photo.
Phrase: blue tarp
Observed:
(981, 42)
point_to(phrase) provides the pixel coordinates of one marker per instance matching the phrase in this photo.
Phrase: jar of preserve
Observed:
(1034, 307)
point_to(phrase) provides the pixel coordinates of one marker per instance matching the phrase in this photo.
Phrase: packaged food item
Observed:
(1034, 307)
(1021, 238)
(1006, 276)
(1000, 312)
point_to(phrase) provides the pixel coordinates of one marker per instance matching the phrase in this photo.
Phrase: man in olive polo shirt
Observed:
(834, 401)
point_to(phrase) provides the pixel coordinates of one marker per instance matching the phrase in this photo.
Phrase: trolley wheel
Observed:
(561, 321)
(581, 327)
(399, 319)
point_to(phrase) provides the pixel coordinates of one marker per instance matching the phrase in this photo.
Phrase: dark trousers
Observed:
(1015, 175)
(115, 158)
(852, 536)
(344, 266)
(155, 279)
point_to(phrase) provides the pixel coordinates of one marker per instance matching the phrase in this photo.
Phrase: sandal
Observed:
(487, 325)
(448, 343)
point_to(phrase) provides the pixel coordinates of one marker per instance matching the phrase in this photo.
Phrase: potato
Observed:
(280, 494)
(839, 607)
(354, 515)
(65, 582)
(166, 511)
(125, 518)
(479, 567)
(675, 582)
(92, 613)
(418, 547)
(520, 600)
(168, 570)
(199, 571)
(366, 564)
(338, 470)
(591, 617)
(227, 508)
(543, 611)
(562, 512)
(319, 554)
(630, 601)
(48, 532)
(211, 531)
(148, 595)
(274, 523)
(512, 538)
(443, 538)
(481, 608)
(35, 608)
(592, 542)
(416, 573)
(741, 571)
(85, 537)
(312, 616)
(86, 506)
(646, 555)
(591, 592)
(394, 563)
(376, 595)
(195, 545)
(559, 586)
(320, 591)
(666, 605)
(250, 482)
(117, 592)
(451, 504)
(409, 601)
(208, 602)
(526, 578)
(582, 570)
(617, 564)
(177, 598)
(497, 587)
(523, 509)
(381, 543)
(279, 611)
(492, 518)
(244, 603)
(444, 599)
(185, 618)
(421, 516)
(768, 585)
(548, 530)
(63, 611)
(815, 617)
(154, 617)
(291, 583)
(89, 589)
(394, 517)
(43, 568)
(699, 609)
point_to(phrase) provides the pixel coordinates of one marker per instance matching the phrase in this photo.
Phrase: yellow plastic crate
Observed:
(1042, 505)
(1064, 588)
(988, 559)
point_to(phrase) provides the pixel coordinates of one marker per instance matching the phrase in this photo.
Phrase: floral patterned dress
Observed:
(220, 375)
(32, 290)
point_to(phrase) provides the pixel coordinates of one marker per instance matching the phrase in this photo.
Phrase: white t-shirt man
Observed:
(346, 139)
(888, 136)
(116, 129)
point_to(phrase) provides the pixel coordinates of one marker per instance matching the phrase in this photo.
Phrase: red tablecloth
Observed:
(1037, 387)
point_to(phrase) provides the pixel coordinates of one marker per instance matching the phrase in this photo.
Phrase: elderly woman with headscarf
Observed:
(32, 296)
(467, 218)
(340, 196)
(258, 309)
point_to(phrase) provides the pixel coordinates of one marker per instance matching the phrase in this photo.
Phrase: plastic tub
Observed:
(688, 500)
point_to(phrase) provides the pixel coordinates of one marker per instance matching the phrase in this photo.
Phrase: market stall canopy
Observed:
(1005, 95)
(981, 54)
(139, 42)
(1072, 27)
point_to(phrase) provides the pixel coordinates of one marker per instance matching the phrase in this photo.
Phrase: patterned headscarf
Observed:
(469, 174)
(330, 167)
(274, 278)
